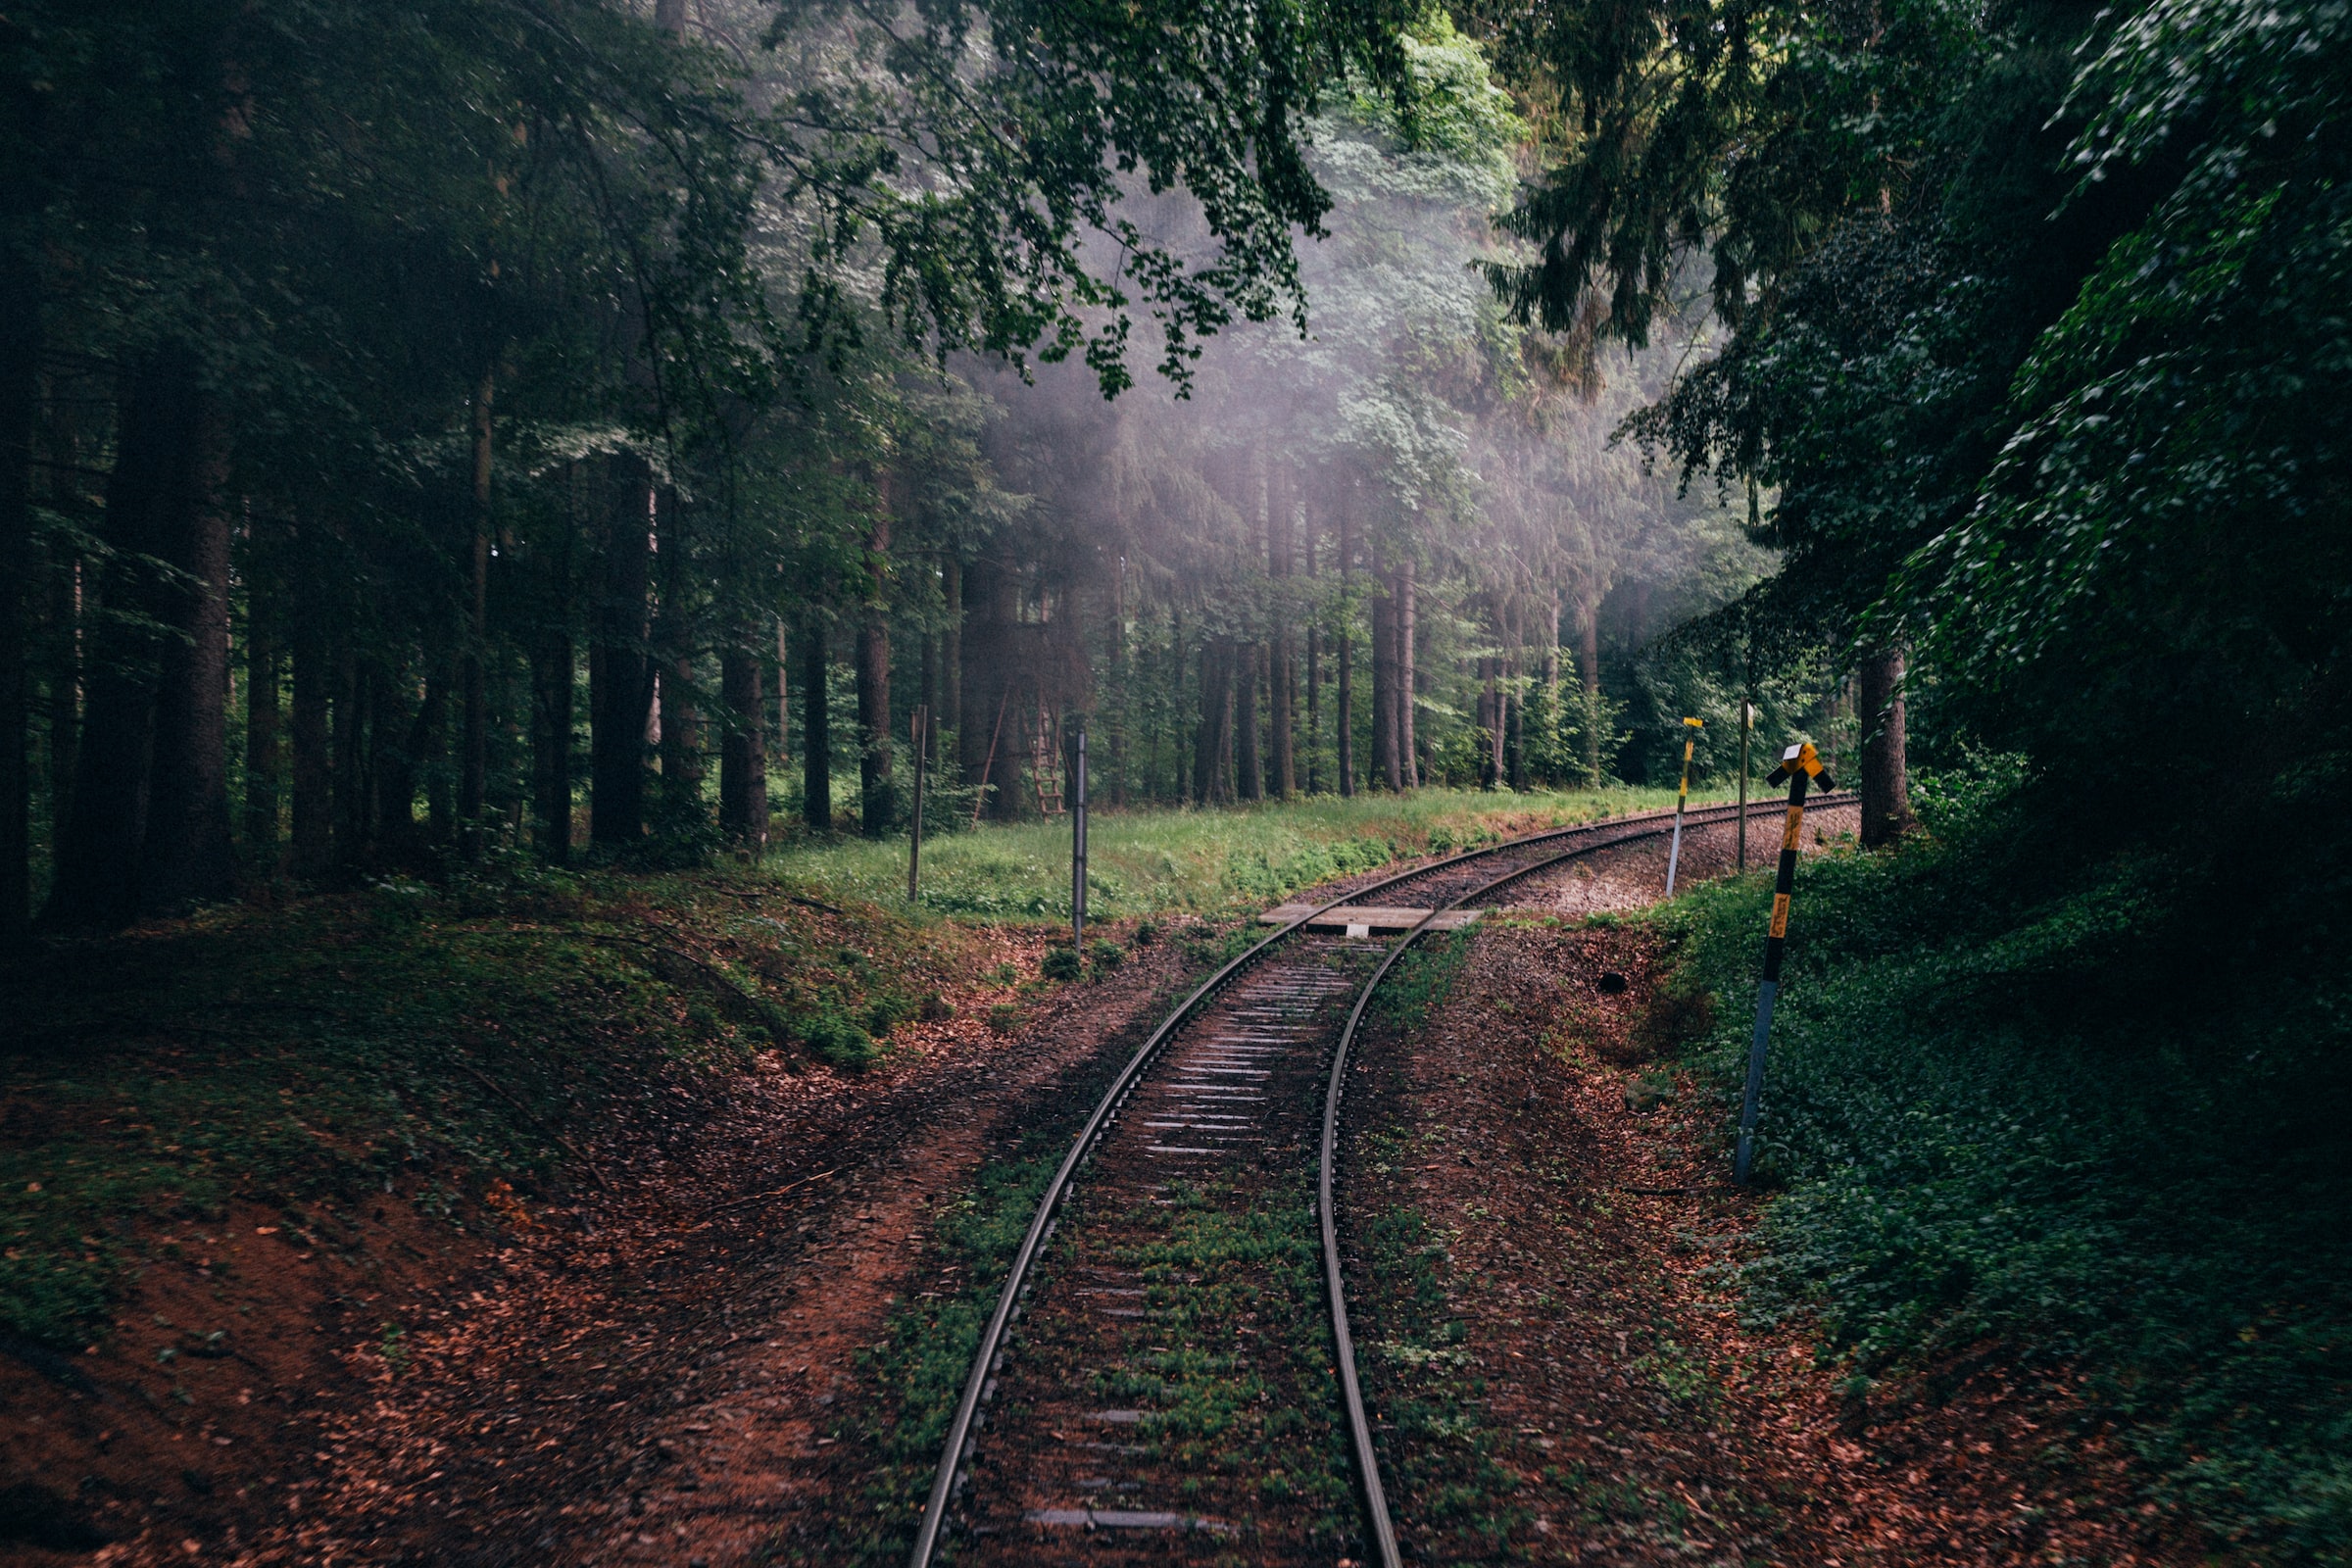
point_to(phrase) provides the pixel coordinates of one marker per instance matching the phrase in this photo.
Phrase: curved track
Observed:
(1229, 1071)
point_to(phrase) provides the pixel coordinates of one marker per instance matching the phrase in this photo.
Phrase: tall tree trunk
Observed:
(1249, 765)
(877, 793)
(427, 751)
(1121, 683)
(743, 751)
(1387, 757)
(619, 681)
(1408, 664)
(353, 777)
(187, 857)
(473, 763)
(1886, 788)
(1345, 719)
(64, 684)
(816, 733)
(20, 395)
(1589, 660)
(1281, 741)
(552, 704)
(398, 764)
(1514, 721)
(261, 740)
(314, 771)
(780, 751)
(1490, 726)
(684, 765)
(950, 646)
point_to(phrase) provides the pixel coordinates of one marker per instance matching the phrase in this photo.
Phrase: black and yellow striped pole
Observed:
(1800, 767)
(1682, 794)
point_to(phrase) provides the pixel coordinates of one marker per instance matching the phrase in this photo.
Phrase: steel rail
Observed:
(959, 1448)
(1352, 1394)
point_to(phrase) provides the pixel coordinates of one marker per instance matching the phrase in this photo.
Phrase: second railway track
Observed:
(1174, 1278)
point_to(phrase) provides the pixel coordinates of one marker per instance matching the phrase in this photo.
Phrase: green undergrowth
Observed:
(2083, 1097)
(1438, 1445)
(1420, 979)
(1241, 1387)
(1162, 861)
(427, 1039)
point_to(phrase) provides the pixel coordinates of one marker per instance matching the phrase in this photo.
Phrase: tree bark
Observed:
(1282, 742)
(1490, 726)
(1408, 753)
(619, 683)
(1387, 739)
(552, 704)
(262, 745)
(877, 792)
(1344, 719)
(19, 393)
(1588, 670)
(473, 761)
(743, 751)
(1886, 788)
(65, 683)
(353, 783)
(816, 733)
(684, 765)
(314, 773)
(427, 751)
(1248, 763)
(950, 646)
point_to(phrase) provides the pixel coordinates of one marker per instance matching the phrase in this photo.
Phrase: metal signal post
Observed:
(1798, 769)
(1682, 796)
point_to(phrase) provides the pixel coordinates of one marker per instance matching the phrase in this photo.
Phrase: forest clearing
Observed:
(1341, 782)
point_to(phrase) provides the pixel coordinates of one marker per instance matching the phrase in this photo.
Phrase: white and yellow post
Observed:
(1674, 855)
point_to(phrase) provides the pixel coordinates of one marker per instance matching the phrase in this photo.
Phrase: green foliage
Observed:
(1103, 957)
(2023, 1089)
(1063, 963)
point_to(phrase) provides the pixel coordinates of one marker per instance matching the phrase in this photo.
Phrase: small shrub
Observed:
(840, 1043)
(1146, 932)
(1063, 963)
(1004, 974)
(1003, 1019)
(937, 1009)
(885, 1012)
(1104, 957)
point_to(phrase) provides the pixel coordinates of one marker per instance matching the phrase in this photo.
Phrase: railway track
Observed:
(1205, 1130)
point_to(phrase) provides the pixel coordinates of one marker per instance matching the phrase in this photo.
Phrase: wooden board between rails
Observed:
(1363, 921)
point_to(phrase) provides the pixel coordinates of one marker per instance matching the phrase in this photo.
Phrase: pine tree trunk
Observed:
(64, 682)
(1408, 745)
(950, 647)
(473, 761)
(619, 681)
(1387, 756)
(187, 857)
(552, 702)
(684, 765)
(314, 773)
(1281, 741)
(1248, 658)
(1490, 726)
(1343, 720)
(1886, 789)
(816, 733)
(876, 789)
(1588, 628)
(743, 751)
(262, 745)
(19, 393)
(780, 750)
(353, 783)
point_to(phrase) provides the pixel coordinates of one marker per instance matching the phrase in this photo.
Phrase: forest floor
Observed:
(713, 1318)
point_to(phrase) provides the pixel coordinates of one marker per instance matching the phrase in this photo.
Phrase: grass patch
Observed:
(433, 1041)
(1157, 862)
(2087, 1098)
